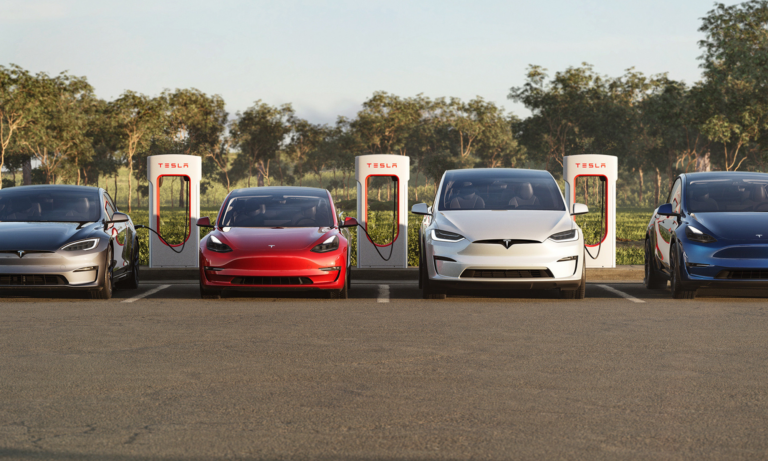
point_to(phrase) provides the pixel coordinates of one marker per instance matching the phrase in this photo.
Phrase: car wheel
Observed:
(209, 294)
(427, 292)
(105, 291)
(421, 263)
(340, 294)
(653, 279)
(677, 289)
(581, 291)
(132, 281)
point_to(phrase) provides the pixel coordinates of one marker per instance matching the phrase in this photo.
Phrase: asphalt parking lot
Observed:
(624, 374)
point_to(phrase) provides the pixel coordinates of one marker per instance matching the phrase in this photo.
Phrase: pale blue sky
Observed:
(326, 57)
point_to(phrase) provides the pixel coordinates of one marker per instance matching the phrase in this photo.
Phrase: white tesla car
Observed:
(500, 228)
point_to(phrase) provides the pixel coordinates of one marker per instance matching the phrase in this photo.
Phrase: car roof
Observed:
(55, 187)
(281, 190)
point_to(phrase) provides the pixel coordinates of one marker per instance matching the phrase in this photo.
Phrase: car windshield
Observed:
(500, 189)
(727, 195)
(277, 210)
(22, 204)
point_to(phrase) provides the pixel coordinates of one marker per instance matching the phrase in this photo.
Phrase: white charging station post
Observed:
(607, 168)
(169, 173)
(396, 168)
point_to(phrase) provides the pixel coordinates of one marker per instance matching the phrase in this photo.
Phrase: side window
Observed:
(674, 195)
(109, 205)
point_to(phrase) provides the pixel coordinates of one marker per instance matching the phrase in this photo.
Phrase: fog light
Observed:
(328, 269)
(697, 265)
(86, 269)
(209, 268)
(569, 258)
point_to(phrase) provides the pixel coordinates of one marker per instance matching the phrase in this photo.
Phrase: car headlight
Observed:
(80, 245)
(567, 236)
(445, 236)
(696, 235)
(216, 245)
(330, 244)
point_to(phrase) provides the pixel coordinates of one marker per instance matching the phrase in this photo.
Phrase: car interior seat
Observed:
(467, 199)
(701, 201)
(524, 197)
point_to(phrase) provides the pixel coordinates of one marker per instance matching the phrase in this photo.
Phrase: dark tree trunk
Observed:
(26, 171)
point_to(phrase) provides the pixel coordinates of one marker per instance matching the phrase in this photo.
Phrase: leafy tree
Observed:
(259, 133)
(61, 117)
(136, 119)
(735, 60)
(304, 140)
(17, 102)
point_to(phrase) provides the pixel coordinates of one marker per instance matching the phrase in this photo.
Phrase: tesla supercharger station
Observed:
(591, 179)
(383, 174)
(174, 199)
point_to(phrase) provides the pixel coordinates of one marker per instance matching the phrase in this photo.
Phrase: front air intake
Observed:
(271, 281)
(15, 280)
(507, 273)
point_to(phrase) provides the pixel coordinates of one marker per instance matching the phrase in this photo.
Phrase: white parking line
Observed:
(383, 294)
(144, 295)
(621, 293)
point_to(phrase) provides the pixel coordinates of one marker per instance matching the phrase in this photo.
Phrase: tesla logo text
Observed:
(271, 246)
(759, 235)
(173, 165)
(382, 165)
(591, 165)
(21, 253)
(507, 244)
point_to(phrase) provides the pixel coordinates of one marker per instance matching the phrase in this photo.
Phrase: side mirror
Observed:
(579, 208)
(119, 217)
(421, 209)
(348, 222)
(666, 209)
(204, 222)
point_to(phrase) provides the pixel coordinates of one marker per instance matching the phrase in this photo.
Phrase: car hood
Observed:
(505, 224)
(735, 226)
(283, 238)
(41, 236)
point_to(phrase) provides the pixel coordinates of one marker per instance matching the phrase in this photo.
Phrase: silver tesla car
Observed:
(65, 237)
(500, 228)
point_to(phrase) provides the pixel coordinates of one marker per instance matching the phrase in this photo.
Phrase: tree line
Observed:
(654, 124)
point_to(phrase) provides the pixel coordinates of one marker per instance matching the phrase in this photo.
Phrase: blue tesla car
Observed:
(713, 232)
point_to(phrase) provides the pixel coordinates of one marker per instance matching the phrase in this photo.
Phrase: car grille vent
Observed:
(271, 281)
(507, 274)
(754, 252)
(745, 274)
(31, 280)
(502, 243)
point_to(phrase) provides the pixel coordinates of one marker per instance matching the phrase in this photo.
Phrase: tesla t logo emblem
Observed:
(759, 235)
(507, 244)
(21, 253)
(271, 246)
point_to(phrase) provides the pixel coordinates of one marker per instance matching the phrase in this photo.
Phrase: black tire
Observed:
(340, 294)
(209, 294)
(653, 279)
(132, 281)
(349, 278)
(105, 291)
(581, 291)
(678, 292)
(427, 292)
(421, 263)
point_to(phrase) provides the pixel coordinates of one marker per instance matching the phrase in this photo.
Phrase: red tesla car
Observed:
(276, 238)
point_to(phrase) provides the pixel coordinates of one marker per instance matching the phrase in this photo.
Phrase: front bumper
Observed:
(542, 265)
(724, 266)
(53, 270)
(287, 272)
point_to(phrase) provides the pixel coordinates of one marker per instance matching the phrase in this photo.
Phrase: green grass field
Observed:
(630, 225)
